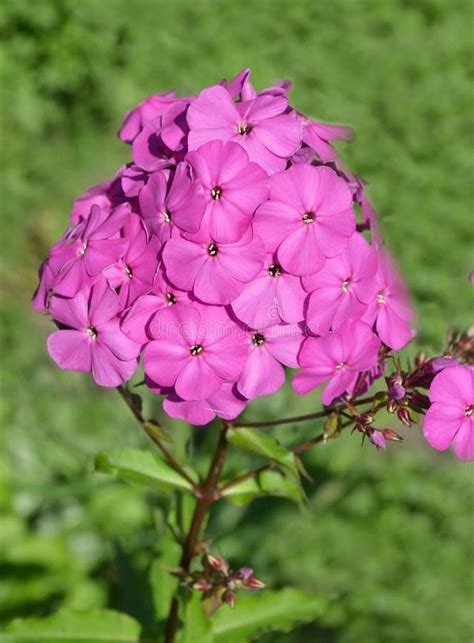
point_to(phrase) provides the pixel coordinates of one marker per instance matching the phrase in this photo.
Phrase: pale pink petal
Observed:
(70, 349)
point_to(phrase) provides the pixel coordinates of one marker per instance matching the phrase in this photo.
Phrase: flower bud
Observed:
(229, 598)
(403, 415)
(244, 572)
(396, 389)
(254, 583)
(201, 585)
(391, 435)
(377, 438)
(216, 563)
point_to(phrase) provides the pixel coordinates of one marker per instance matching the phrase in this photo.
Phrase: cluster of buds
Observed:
(377, 437)
(219, 583)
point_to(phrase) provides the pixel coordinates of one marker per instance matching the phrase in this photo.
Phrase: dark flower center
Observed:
(258, 339)
(216, 193)
(469, 411)
(212, 249)
(244, 129)
(170, 299)
(92, 332)
(196, 350)
(274, 270)
(166, 216)
(308, 217)
(128, 272)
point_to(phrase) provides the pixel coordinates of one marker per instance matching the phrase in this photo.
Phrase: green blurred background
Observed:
(388, 535)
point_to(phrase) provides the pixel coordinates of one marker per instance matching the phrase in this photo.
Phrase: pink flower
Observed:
(318, 136)
(309, 217)
(339, 356)
(343, 288)
(172, 199)
(135, 271)
(92, 339)
(233, 189)
(149, 151)
(261, 126)
(44, 291)
(195, 350)
(216, 273)
(390, 308)
(162, 295)
(267, 350)
(91, 247)
(143, 113)
(227, 403)
(273, 296)
(450, 418)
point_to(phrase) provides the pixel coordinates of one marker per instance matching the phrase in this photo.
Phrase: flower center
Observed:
(244, 129)
(381, 298)
(166, 216)
(258, 339)
(212, 249)
(274, 270)
(216, 193)
(170, 299)
(345, 284)
(340, 366)
(469, 411)
(196, 350)
(128, 272)
(82, 249)
(308, 217)
(92, 332)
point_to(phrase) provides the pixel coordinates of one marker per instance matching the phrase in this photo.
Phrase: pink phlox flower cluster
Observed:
(233, 245)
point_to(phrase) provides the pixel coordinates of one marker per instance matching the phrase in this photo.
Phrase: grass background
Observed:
(388, 535)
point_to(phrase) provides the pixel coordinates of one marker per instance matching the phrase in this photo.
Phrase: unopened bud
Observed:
(403, 415)
(201, 585)
(229, 598)
(388, 434)
(392, 406)
(254, 583)
(377, 438)
(216, 563)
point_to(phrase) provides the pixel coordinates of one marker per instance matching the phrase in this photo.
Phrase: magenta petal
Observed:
(441, 423)
(257, 305)
(281, 135)
(334, 232)
(260, 154)
(339, 383)
(300, 253)
(135, 325)
(464, 441)
(334, 195)
(104, 303)
(308, 380)
(274, 221)
(322, 306)
(70, 349)
(291, 298)
(116, 341)
(215, 285)
(454, 386)
(197, 413)
(164, 361)
(392, 330)
(262, 374)
(227, 223)
(197, 380)
(212, 108)
(284, 343)
(70, 312)
(103, 253)
(183, 260)
(243, 261)
(227, 402)
(109, 371)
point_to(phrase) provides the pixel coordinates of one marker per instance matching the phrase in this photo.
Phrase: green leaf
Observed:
(257, 613)
(263, 444)
(196, 625)
(67, 626)
(142, 467)
(267, 483)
